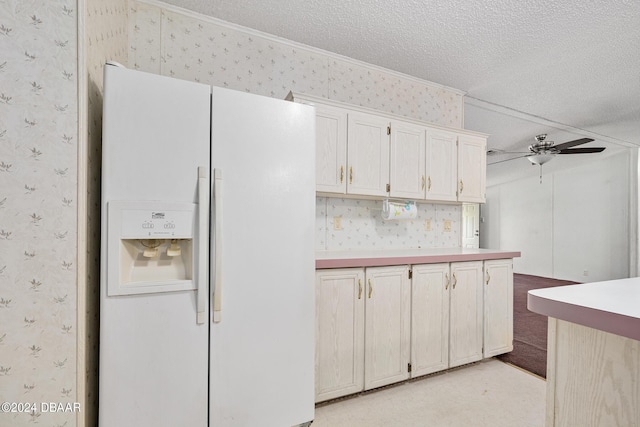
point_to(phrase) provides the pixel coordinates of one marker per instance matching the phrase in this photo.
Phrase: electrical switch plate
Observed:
(337, 223)
(447, 225)
(427, 225)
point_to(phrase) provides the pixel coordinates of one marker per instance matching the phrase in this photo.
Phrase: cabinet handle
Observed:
(446, 277)
(429, 184)
(341, 174)
(350, 174)
(461, 186)
(423, 182)
(370, 288)
(359, 288)
(455, 280)
(488, 277)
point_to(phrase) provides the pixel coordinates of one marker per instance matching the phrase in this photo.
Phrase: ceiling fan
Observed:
(541, 151)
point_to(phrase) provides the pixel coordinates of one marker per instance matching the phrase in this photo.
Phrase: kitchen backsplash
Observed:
(343, 224)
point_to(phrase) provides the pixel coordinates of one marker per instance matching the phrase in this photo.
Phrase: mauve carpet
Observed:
(529, 329)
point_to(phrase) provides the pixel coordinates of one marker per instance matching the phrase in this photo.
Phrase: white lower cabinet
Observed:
(446, 316)
(498, 307)
(387, 326)
(339, 365)
(430, 318)
(343, 364)
(465, 315)
(376, 326)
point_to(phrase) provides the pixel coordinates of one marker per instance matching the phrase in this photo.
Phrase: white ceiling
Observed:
(568, 68)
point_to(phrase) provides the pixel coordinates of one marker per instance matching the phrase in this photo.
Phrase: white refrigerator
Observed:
(207, 256)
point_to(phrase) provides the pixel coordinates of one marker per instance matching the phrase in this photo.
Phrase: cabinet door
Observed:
(407, 169)
(339, 364)
(498, 307)
(441, 165)
(430, 318)
(331, 149)
(472, 168)
(465, 317)
(387, 326)
(367, 155)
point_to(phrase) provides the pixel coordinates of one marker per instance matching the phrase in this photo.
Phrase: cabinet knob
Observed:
(370, 288)
(429, 183)
(350, 174)
(359, 288)
(341, 174)
(455, 280)
(461, 186)
(423, 182)
(447, 281)
(488, 277)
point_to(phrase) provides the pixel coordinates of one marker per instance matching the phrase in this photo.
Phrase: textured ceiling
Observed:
(567, 68)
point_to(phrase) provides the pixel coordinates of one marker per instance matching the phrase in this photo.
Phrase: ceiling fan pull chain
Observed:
(540, 174)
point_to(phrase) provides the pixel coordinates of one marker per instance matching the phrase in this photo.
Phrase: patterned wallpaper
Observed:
(106, 39)
(39, 156)
(185, 45)
(361, 226)
(38, 207)
(170, 41)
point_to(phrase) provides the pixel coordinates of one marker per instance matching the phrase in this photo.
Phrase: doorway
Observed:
(470, 225)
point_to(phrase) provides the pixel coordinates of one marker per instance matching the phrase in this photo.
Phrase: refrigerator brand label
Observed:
(177, 221)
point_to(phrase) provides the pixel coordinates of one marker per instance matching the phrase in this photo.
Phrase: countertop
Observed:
(380, 257)
(612, 306)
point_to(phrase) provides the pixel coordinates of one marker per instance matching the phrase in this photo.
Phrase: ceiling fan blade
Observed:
(585, 150)
(493, 152)
(572, 143)
(506, 160)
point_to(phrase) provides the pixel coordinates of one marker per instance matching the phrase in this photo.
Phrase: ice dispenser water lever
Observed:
(150, 247)
(174, 248)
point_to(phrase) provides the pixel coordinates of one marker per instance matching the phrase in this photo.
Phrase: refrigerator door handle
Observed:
(217, 285)
(203, 242)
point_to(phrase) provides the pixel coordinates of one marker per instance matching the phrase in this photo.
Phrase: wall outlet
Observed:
(585, 273)
(427, 225)
(447, 225)
(337, 223)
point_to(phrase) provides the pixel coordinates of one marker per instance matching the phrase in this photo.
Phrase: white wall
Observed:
(575, 225)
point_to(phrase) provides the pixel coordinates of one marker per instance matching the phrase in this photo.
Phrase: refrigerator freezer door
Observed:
(153, 352)
(262, 350)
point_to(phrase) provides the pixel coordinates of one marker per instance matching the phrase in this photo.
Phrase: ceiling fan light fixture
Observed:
(540, 159)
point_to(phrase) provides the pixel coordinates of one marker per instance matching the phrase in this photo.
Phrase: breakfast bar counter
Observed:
(593, 355)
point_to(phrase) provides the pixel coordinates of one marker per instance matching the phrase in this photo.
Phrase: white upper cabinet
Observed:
(407, 168)
(442, 165)
(368, 154)
(361, 152)
(472, 168)
(331, 149)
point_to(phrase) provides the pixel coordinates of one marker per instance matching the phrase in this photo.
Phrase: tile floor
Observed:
(486, 394)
